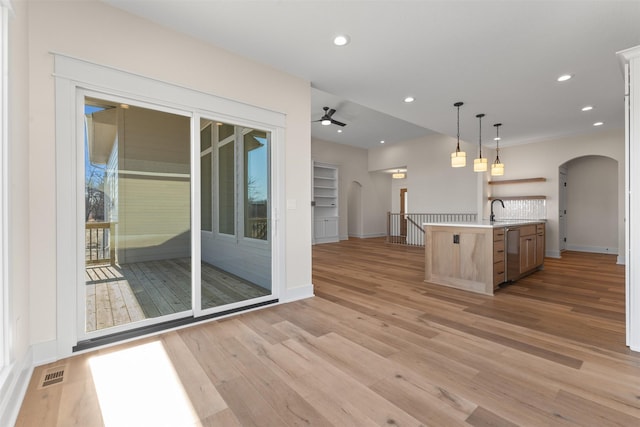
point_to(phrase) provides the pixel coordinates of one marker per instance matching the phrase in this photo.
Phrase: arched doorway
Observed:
(588, 204)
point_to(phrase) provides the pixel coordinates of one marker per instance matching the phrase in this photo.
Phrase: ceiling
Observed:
(501, 58)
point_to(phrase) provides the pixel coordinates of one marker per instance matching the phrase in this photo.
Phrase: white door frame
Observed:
(72, 75)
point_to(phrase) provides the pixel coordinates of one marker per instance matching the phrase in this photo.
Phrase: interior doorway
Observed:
(562, 209)
(354, 210)
(403, 211)
(589, 218)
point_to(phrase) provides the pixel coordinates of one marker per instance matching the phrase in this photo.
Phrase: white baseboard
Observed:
(368, 236)
(552, 254)
(621, 260)
(593, 249)
(294, 294)
(14, 381)
(45, 352)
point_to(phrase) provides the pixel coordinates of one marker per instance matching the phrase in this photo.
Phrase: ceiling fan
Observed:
(326, 119)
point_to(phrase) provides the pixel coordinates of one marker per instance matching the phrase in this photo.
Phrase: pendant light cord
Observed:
(458, 105)
(480, 116)
(497, 125)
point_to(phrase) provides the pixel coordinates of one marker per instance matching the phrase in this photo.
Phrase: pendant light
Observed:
(398, 175)
(497, 167)
(480, 164)
(458, 158)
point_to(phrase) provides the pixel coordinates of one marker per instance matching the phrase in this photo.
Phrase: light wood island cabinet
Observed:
(499, 256)
(475, 256)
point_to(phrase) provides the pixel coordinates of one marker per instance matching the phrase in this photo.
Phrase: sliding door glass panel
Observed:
(236, 264)
(205, 195)
(226, 182)
(206, 159)
(256, 185)
(137, 214)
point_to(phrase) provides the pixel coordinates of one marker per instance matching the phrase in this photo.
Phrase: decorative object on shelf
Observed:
(480, 164)
(458, 158)
(399, 175)
(497, 167)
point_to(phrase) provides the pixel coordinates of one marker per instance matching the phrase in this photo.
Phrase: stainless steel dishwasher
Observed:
(513, 254)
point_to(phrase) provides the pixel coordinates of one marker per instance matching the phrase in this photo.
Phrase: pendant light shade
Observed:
(458, 158)
(497, 167)
(398, 175)
(480, 164)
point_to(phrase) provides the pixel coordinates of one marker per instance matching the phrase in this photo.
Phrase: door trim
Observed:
(74, 75)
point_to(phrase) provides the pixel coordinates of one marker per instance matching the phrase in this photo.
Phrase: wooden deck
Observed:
(379, 346)
(121, 294)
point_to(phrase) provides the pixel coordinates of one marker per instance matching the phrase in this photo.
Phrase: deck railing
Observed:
(256, 228)
(406, 228)
(99, 243)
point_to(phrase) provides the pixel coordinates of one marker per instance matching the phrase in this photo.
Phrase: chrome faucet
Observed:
(492, 218)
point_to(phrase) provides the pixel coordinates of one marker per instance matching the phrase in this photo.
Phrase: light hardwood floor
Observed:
(378, 346)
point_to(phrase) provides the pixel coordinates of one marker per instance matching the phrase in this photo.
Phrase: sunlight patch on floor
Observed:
(140, 387)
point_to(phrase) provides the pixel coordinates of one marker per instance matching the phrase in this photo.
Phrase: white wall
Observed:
(592, 204)
(96, 32)
(543, 159)
(15, 375)
(433, 185)
(375, 191)
(18, 165)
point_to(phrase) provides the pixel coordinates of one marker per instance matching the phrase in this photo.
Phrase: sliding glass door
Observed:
(139, 244)
(235, 214)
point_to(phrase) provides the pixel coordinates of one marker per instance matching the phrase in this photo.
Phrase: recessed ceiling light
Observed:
(339, 130)
(382, 142)
(587, 108)
(598, 123)
(564, 77)
(409, 99)
(341, 40)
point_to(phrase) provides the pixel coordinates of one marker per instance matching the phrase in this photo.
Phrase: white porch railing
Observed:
(406, 229)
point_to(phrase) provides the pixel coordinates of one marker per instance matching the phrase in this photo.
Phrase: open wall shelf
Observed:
(517, 181)
(517, 197)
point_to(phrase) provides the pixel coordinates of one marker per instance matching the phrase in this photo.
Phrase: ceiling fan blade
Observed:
(330, 112)
(335, 122)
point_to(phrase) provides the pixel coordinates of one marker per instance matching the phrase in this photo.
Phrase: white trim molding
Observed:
(592, 249)
(14, 381)
(297, 293)
(630, 60)
(75, 77)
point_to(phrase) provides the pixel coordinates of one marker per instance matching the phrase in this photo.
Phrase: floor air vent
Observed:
(52, 376)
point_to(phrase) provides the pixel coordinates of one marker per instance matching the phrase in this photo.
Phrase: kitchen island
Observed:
(480, 256)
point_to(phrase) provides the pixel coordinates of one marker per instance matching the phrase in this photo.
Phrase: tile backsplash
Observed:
(521, 209)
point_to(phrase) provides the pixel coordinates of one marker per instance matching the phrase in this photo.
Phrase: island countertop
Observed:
(486, 223)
